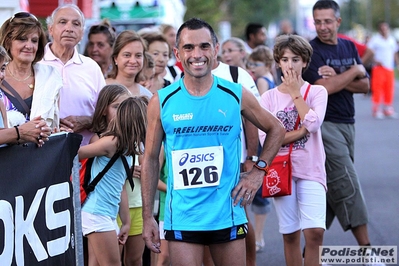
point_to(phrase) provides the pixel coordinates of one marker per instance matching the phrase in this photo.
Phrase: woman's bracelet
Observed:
(18, 135)
(297, 97)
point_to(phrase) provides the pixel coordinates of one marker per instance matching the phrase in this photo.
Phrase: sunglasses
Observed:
(230, 51)
(23, 15)
(255, 64)
(101, 28)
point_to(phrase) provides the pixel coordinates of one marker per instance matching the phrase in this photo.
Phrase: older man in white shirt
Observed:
(82, 77)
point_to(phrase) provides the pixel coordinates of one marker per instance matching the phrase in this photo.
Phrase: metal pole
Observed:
(77, 213)
(387, 7)
(369, 16)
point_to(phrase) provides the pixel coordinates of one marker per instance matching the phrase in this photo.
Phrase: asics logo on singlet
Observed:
(196, 158)
(180, 117)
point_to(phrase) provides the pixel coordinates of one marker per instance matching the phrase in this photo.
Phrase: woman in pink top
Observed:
(305, 208)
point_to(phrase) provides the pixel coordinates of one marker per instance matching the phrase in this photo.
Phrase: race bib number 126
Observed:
(195, 168)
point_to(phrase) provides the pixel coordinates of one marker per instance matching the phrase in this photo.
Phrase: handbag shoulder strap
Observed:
(298, 118)
(304, 98)
(90, 187)
(306, 92)
(17, 96)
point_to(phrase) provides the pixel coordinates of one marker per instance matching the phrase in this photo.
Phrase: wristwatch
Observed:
(262, 165)
(252, 158)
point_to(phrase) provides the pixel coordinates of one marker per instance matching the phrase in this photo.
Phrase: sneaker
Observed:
(389, 112)
(378, 115)
(260, 245)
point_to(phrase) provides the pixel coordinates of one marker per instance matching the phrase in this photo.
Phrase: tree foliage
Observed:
(368, 13)
(208, 10)
(259, 11)
(240, 12)
(237, 12)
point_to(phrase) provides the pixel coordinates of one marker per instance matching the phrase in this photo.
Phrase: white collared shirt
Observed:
(82, 82)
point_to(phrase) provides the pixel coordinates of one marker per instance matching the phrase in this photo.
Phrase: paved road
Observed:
(377, 163)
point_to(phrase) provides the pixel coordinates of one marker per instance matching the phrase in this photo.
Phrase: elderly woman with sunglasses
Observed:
(32, 131)
(30, 89)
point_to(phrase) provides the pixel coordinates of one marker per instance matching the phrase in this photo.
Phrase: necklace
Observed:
(30, 85)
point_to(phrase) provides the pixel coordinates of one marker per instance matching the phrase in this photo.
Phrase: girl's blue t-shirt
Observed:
(105, 198)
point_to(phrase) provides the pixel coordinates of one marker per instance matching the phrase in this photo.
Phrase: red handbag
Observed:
(278, 181)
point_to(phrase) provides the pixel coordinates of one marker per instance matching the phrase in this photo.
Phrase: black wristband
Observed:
(18, 136)
(252, 158)
(365, 76)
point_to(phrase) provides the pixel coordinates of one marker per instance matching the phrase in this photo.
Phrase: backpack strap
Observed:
(172, 71)
(234, 73)
(87, 177)
(128, 170)
(90, 187)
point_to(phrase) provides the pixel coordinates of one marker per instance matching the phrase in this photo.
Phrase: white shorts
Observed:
(93, 223)
(304, 208)
(161, 231)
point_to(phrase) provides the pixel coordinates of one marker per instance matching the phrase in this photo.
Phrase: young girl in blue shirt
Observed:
(124, 135)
